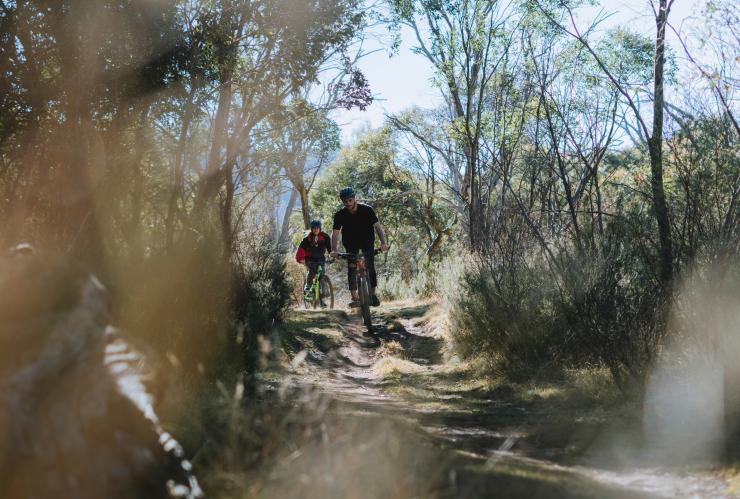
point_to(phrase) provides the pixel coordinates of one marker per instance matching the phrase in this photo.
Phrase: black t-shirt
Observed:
(357, 230)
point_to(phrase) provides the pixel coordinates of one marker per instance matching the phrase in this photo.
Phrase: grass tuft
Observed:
(393, 366)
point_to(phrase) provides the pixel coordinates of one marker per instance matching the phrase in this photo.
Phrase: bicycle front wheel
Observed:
(364, 289)
(316, 293)
(327, 291)
(307, 295)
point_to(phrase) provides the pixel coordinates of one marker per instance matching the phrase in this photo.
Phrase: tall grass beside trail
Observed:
(505, 327)
(575, 311)
(439, 278)
(260, 296)
(544, 318)
(203, 318)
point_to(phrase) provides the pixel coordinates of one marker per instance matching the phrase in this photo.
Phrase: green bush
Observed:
(577, 311)
(178, 303)
(261, 293)
(433, 279)
(613, 314)
(509, 326)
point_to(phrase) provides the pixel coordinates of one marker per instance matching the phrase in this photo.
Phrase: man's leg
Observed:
(352, 279)
(370, 265)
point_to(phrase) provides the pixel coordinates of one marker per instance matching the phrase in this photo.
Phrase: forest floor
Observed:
(397, 416)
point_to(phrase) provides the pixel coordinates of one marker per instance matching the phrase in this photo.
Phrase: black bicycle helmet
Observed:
(347, 192)
(315, 223)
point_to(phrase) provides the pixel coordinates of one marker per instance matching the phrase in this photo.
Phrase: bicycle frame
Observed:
(312, 295)
(363, 286)
(359, 260)
(314, 288)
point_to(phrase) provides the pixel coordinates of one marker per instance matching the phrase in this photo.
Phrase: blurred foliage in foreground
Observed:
(166, 145)
(145, 141)
(580, 225)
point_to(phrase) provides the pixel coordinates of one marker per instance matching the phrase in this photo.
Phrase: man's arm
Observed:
(381, 234)
(334, 238)
(328, 246)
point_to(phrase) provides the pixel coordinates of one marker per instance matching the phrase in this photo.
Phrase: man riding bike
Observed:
(312, 251)
(358, 224)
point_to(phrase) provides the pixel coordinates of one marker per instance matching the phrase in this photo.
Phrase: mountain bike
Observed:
(363, 284)
(319, 289)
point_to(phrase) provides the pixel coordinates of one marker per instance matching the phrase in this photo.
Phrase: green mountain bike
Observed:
(319, 290)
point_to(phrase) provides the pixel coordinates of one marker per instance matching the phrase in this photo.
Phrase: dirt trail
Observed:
(401, 423)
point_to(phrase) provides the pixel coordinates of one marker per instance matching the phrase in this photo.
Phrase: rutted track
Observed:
(457, 444)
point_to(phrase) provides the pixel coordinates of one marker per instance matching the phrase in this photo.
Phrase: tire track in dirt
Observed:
(471, 450)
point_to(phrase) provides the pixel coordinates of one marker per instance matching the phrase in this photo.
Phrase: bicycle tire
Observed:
(364, 289)
(306, 301)
(316, 288)
(327, 290)
(310, 298)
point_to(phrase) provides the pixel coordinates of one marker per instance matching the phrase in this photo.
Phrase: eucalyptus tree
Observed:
(427, 159)
(79, 81)
(468, 43)
(575, 122)
(650, 129)
(303, 139)
(702, 149)
(717, 37)
(266, 50)
(703, 156)
(422, 126)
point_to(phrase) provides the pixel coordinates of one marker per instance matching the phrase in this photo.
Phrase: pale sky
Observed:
(404, 80)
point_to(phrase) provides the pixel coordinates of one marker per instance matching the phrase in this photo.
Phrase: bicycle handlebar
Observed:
(325, 262)
(355, 256)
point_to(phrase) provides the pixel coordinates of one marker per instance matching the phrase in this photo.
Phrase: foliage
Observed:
(704, 183)
(407, 213)
(355, 92)
(566, 210)
(591, 312)
(134, 138)
(154, 141)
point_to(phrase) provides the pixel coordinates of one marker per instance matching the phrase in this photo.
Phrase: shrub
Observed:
(612, 314)
(261, 293)
(178, 304)
(510, 326)
(578, 310)
(434, 279)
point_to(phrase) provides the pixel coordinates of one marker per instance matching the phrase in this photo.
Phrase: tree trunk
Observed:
(213, 177)
(227, 229)
(286, 218)
(137, 194)
(655, 147)
(303, 192)
(80, 223)
(179, 170)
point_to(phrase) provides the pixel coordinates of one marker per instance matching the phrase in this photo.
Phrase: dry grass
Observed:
(393, 366)
(733, 481)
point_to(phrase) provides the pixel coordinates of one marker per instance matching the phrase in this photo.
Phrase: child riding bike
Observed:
(312, 251)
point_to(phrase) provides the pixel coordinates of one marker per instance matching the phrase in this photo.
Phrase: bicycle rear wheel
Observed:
(364, 289)
(327, 291)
